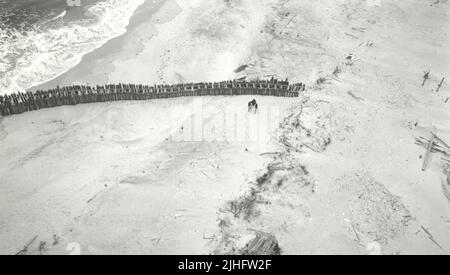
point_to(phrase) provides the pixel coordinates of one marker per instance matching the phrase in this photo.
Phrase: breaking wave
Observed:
(48, 49)
(61, 15)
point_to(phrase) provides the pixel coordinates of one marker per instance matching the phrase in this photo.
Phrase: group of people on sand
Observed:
(79, 94)
(253, 106)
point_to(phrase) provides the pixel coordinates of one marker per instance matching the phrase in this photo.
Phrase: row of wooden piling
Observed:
(18, 103)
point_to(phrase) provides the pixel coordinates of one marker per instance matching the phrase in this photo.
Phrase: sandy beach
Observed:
(348, 175)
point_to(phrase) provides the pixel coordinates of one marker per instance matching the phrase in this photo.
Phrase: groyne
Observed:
(18, 103)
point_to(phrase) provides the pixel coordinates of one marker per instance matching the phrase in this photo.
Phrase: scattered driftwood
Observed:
(357, 98)
(351, 35)
(440, 140)
(321, 81)
(434, 145)
(446, 187)
(431, 237)
(241, 68)
(25, 248)
(358, 239)
(92, 199)
(213, 237)
(436, 148)
(204, 174)
(359, 29)
(262, 245)
(440, 84)
(271, 154)
(427, 156)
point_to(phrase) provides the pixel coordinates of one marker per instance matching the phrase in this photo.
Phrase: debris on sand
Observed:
(245, 206)
(436, 148)
(431, 237)
(284, 174)
(427, 155)
(241, 68)
(440, 140)
(440, 84)
(355, 97)
(262, 245)
(351, 35)
(306, 128)
(284, 170)
(433, 145)
(283, 183)
(24, 251)
(426, 76)
(321, 81)
(447, 187)
(446, 183)
(375, 213)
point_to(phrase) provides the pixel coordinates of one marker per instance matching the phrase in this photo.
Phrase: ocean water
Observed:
(41, 39)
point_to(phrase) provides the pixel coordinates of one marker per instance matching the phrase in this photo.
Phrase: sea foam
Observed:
(32, 57)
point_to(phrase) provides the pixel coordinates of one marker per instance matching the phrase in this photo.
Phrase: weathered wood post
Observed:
(425, 77)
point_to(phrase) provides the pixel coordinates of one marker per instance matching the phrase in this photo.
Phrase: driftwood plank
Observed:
(436, 147)
(25, 248)
(427, 156)
(440, 140)
(440, 85)
(431, 237)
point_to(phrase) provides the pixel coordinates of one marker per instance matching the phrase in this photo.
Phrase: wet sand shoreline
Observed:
(95, 67)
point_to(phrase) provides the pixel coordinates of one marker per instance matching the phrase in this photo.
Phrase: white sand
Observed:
(105, 176)
(370, 193)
